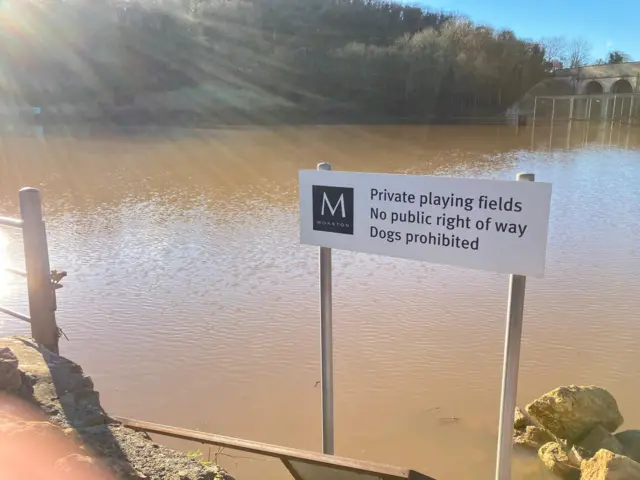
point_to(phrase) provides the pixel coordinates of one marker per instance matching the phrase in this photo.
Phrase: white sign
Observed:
(494, 225)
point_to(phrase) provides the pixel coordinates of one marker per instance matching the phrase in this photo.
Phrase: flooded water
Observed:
(190, 302)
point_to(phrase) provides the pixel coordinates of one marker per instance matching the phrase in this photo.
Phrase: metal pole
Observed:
(588, 119)
(613, 118)
(618, 134)
(553, 114)
(571, 109)
(587, 129)
(570, 124)
(36, 255)
(621, 109)
(626, 142)
(533, 122)
(515, 309)
(326, 343)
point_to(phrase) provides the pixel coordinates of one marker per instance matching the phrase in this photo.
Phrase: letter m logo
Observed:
(333, 209)
(339, 203)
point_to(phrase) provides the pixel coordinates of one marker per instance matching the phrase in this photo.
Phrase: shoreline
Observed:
(141, 117)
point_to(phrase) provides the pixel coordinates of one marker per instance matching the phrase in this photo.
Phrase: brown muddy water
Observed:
(190, 302)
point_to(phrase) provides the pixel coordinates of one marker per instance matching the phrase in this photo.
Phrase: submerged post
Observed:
(553, 115)
(513, 338)
(571, 109)
(326, 343)
(36, 255)
(570, 124)
(613, 118)
(533, 121)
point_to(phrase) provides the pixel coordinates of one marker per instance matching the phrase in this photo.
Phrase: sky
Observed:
(607, 25)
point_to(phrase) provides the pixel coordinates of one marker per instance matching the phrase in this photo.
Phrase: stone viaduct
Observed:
(596, 79)
(606, 83)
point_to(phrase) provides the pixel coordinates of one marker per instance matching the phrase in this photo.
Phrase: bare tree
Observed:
(579, 53)
(555, 49)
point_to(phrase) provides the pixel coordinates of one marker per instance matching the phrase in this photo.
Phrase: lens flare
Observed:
(4, 263)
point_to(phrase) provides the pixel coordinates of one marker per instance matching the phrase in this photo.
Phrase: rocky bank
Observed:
(573, 429)
(53, 426)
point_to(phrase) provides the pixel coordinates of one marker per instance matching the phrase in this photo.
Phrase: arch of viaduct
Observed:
(600, 79)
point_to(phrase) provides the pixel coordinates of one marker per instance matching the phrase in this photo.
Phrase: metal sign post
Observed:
(513, 338)
(326, 343)
(495, 225)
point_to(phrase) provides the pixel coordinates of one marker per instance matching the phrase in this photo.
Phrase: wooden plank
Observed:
(283, 453)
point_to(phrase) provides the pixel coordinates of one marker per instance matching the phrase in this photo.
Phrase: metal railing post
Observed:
(36, 255)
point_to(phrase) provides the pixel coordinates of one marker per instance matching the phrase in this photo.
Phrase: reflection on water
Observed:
(580, 134)
(190, 301)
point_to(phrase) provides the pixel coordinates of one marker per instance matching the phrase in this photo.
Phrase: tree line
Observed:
(571, 53)
(340, 57)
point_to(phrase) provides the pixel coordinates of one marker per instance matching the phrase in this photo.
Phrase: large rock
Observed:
(630, 440)
(10, 379)
(556, 459)
(606, 465)
(597, 439)
(532, 437)
(571, 412)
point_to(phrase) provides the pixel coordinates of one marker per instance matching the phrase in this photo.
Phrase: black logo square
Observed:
(333, 209)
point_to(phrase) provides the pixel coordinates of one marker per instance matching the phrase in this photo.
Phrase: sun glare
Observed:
(4, 280)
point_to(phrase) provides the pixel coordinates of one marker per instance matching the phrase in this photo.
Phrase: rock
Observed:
(630, 440)
(556, 459)
(131, 455)
(571, 412)
(7, 355)
(532, 437)
(10, 379)
(606, 465)
(599, 438)
(520, 419)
